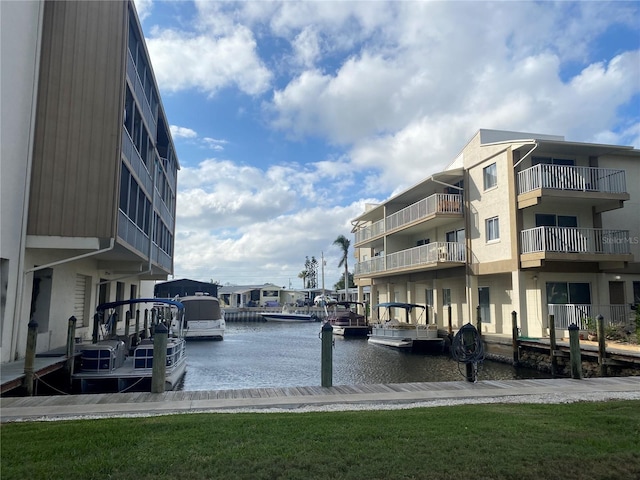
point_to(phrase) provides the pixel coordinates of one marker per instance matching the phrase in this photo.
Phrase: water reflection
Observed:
(284, 355)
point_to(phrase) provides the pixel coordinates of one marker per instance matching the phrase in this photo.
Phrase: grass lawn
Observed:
(491, 441)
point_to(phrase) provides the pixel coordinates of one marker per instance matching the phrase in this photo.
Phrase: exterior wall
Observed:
(20, 42)
(74, 182)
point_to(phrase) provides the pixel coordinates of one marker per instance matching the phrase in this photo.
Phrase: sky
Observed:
(289, 117)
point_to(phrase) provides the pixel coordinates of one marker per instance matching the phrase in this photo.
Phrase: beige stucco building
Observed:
(89, 169)
(518, 222)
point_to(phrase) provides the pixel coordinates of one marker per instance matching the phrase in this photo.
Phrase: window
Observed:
(455, 236)
(490, 176)
(492, 229)
(552, 220)
(446, 296)
(563, 293)
(552, 161)
(636, 292)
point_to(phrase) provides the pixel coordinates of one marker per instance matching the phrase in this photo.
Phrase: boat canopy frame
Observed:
(408, 307)
(167, 301)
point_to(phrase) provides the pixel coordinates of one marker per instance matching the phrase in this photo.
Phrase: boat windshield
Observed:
(201, 309)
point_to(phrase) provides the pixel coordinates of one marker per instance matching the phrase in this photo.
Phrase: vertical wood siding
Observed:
(75, 178)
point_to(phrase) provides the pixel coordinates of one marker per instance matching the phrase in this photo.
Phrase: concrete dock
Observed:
(311, 398)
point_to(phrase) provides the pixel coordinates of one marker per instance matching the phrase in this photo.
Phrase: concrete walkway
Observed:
(298, 399)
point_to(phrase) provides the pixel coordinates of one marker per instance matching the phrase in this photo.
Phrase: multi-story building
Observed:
(517, 222)
(89, 169)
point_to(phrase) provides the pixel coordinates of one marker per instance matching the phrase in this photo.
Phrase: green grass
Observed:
(491, 441)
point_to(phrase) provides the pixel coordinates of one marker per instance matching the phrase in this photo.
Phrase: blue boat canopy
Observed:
(166, 301)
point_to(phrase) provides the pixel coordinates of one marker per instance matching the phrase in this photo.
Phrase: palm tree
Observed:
(344, 243)
(303, 275)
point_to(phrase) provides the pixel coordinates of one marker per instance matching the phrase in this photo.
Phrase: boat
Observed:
(109, 366)
(289, 316)
(415, 336)
(346, 321)
(203, 317)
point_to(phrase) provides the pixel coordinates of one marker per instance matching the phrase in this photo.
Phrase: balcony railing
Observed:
(566, 177)
(436, 252)
(370, 231)
(575, 240)
(567, 314)
(437, 203)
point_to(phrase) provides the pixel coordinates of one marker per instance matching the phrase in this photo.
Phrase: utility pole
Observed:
(322, 260)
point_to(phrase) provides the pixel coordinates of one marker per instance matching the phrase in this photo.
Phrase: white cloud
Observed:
(182, 132)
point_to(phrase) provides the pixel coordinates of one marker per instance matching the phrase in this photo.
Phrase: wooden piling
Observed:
(450, 320)
(574, 349)
(136, 335)
(127, 327)
(30, 356)
(146, 323)
(479, 320)
(327, 355)
(71, 349)
(552, 345)
(514, 338)
(96, 328)
(159, 370)
(602, 346)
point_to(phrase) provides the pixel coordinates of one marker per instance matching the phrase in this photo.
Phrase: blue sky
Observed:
(289, 117)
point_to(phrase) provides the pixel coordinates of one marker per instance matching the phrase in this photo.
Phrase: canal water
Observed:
(269, 354)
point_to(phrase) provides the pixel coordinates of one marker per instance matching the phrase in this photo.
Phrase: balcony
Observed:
(574, 244)
(432, 255)
(603, 187)
(434, 206)
(567, 314)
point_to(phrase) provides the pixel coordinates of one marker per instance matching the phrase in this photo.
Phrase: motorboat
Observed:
(346, 321)
(413, 335)
(109, 366)
(286, 315)
(203, 317)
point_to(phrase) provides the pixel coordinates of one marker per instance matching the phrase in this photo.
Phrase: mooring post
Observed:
(450, 320)
(574, 349)
(159, 369)
(552, 345)
(327, 355)
(514, 338)
(71, 350)
(136, 336)
(114, 325)
(479, 320)
(30, 356)
(96, 328)
(127, 324)
(602, 346)
(146, 323)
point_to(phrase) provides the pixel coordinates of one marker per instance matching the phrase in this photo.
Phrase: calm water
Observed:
(286, 355)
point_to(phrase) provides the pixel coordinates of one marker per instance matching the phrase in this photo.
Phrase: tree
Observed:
(303, 275)
(340, 284)
(344, 244)
(311, 267)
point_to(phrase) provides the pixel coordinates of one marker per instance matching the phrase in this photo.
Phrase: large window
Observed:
(492, 229)
(552, 220)
(562, 293)
(490, 176)
(446, 296)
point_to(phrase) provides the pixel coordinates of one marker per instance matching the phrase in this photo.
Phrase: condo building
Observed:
(518, 222)
(89, 169)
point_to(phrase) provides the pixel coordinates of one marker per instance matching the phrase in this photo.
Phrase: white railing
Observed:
(436, 252)
(370, 231)
(575, 240)
(566, 177)
(567, 314)
(436, 203)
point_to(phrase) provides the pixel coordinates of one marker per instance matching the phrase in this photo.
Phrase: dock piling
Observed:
(327, 355)
(574, 349)
(479, 320)
(71, 350)
(159, 369)
(514, 339)
(552, 345)
(30, 356)
(602, 346)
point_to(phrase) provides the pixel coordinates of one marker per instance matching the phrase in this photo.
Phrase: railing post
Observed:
(327, 355)
(159, 369)
(574, 348)
(552, 345)
(602, 346)
(514, 338)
